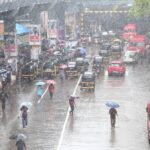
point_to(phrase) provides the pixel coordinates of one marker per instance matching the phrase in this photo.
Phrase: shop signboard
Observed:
(35, 35)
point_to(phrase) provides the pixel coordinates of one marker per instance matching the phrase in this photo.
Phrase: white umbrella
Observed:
(27, 104)
(21, 137)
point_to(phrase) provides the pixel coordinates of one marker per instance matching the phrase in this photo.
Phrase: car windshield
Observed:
(115, 64)
(105, 47)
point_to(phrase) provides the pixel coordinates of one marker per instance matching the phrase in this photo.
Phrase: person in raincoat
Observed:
(20, 144)
(39, 90)
(51, 90)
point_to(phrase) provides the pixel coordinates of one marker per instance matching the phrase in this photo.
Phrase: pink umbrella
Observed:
(50, 82)
(63, 66)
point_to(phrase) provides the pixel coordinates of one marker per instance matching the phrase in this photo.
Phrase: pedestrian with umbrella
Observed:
(112, 112)
(51, 87)
(20, 144)
(62, 71)
(40, 88)
(72, 103)
(24, 115)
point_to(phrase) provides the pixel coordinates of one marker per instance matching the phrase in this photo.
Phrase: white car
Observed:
(131, 57)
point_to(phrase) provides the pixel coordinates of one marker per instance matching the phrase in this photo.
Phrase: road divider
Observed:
(67, 116)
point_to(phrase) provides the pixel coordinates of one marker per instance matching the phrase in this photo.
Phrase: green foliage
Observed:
(141, 8)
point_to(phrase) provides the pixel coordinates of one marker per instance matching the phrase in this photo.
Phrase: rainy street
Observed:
(74, 74)
(50, 125)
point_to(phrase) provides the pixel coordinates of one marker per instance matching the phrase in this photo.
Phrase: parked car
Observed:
(116, 68)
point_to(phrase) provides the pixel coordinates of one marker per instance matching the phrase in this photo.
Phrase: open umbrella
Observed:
(40, 83)
(82, 50)
(27, 104)
(50, 82)
(112, 104)
(63, 66)
(21, 137)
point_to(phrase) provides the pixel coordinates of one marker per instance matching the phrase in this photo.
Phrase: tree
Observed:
(141, 8)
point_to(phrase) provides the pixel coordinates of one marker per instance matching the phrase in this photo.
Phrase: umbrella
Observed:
(112, 104)
(18, 137)
(50, 82)
(27, 104)
(82, 50)
(63, 66)
(21, 137)
(40, 83)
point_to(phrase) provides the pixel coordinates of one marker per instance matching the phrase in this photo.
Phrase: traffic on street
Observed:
(77, 81)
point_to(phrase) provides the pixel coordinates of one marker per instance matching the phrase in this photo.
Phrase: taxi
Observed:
(116, 68)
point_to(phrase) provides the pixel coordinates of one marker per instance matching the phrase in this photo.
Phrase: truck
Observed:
(129, 31)
(139, 43)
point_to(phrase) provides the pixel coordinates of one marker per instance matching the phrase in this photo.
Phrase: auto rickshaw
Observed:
(71, 70)
(29, 71)
(98, 65)
(116, 48)
(49, 70)
(80, 64)
(88, 81)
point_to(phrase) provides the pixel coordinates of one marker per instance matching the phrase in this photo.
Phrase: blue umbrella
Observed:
(20, 29)
(82, 50)
(40, 83)
(112, 104)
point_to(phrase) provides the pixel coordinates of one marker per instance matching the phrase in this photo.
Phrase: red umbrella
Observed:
(63, 66)
(50, 82)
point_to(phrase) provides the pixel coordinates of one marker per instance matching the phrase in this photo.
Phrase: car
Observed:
(116, 68)
(131, 57)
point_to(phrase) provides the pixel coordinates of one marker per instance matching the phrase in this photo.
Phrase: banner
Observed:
(53, 29)
(35, 35)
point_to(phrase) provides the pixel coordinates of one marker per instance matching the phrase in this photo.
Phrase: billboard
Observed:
(35, 35)
(52, 29)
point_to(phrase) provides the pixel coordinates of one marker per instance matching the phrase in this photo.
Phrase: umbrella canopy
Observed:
(27, 104)
(112, 104)
(20, 29)
(63, 66)
(50, 82)
(82, 50)
(40, 83)
(21, 137)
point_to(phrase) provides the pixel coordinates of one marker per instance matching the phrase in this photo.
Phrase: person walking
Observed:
(62, 74)
(24, 115)
(39, 90)
(72, 103)
(51, 90)
(113, 113)
(20, 144)
(3, 97)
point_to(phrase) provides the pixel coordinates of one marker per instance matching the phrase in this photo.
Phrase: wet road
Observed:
(89, 128)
